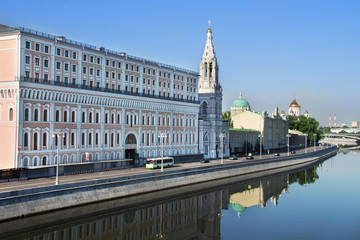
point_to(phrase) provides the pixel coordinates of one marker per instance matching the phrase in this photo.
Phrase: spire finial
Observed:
(209, 29)
(240, 96)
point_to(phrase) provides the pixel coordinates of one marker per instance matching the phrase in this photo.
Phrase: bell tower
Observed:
(209, 69)
(213, 131)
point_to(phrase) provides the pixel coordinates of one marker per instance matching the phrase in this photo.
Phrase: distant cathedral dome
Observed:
(241, 103)
(294, 103)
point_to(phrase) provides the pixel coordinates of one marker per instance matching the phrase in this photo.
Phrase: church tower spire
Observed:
(209, 69)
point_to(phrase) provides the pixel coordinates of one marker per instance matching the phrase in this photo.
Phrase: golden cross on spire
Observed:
(209, 29)
(209, 23)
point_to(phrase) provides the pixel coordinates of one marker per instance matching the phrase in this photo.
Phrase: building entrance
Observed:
(130, 154)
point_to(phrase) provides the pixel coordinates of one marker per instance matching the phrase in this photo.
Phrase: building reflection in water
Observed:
(193, 217)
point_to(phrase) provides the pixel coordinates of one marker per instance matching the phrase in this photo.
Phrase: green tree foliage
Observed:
(227, 117)
(305, 125)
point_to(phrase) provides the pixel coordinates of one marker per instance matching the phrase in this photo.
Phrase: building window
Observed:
(46, 63)
(58, 51)
(74, 55)
(98, 72)
(96, 139)
(65, 116)
(11, 114)
(84, 57)
(35, 142)
(66, 53)
(57, 116)
(36, 115)
(106, 118)
(37, 61)
(27, 45)
(97, 118)
(91, 59)
(58, 65)
(106, 139)
(83, 117)
(73, 116)
(27, 59)
(83, 139)
(26, 140)
(26, 114)
(74, 68)
(45, 113)
(66, 67)
(84, 70)
(44, 140)
(37, 47)
(72, 139)
(98, 60)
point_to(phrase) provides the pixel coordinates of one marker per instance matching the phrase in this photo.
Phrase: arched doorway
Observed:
(130, 147)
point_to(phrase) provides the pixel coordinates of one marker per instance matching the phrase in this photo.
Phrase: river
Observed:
(320, 202)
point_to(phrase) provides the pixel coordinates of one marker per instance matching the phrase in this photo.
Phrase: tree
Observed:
(305, 125)
(227, 117)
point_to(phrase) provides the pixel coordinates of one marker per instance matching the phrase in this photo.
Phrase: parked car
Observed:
(233, 157)
(277, 154)
(249, 157)
(205, 161)
(293, 152)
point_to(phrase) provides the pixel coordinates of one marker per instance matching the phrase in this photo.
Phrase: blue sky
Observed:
(270, 50)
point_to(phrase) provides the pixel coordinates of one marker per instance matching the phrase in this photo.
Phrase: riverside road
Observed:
(69, 179)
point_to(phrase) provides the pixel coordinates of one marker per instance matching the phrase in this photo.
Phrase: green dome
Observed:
(238, 207)
(240, 103)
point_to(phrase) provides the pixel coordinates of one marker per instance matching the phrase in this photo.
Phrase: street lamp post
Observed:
(306, 142)
(315, 141)
(260, 136)
(162, 137)
(57, 135)
(222, 135)
(288, 136)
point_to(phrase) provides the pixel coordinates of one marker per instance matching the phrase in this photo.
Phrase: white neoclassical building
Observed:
(107, 105)
(213, 131)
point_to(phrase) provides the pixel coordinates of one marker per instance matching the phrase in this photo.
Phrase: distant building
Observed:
(295, 109)
(355, 124)
(273, 127)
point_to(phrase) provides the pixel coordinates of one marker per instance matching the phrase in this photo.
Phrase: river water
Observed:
(320, 202)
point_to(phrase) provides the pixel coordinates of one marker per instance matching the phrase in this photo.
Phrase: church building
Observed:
(213, 131)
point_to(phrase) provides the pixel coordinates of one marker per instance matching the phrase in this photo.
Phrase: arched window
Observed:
(72, 139)
(112, 140)
(83, 117)
(97, 118)
(90, 117)
(90, 139)
(118, 118)
(113, 118)
(83, 139)
(65, 139)
(210, 69)
(127, 119)
(36, 115)
(106, 118)
(106, 138)
(204, 108)
(35, 141)
(26, 140)
(11, 114)
(96, 139)
(73, 116)
(130, 139)
(44, 140)
(44, 162)
(45, 113)
(57, 116)
(56, 139)
(206, 69)
(26, 114)
(65, 116)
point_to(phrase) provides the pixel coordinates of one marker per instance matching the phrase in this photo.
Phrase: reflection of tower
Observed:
(330, 120)
(334, 119)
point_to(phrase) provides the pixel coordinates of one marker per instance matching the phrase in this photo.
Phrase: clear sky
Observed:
(270, 50)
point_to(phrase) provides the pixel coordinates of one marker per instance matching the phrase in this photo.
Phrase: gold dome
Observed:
(282, 112)
(294, 103)
(306, 112)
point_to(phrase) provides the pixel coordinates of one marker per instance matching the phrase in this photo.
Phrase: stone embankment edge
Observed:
(13, 208)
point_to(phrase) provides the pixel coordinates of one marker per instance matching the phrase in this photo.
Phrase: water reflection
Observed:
(191, 217)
